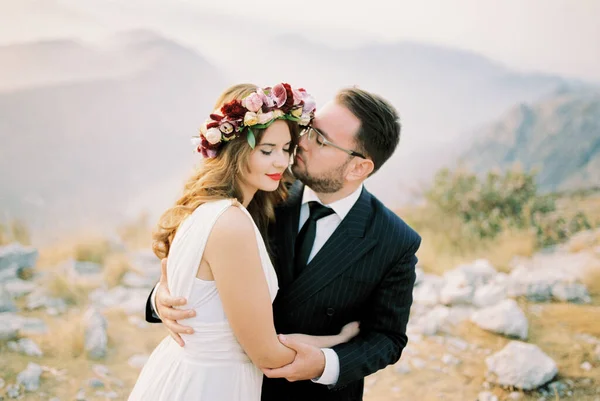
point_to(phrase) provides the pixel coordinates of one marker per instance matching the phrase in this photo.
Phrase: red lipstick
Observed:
(275, 177)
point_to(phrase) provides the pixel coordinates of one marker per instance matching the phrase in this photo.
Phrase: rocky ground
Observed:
(475, 333)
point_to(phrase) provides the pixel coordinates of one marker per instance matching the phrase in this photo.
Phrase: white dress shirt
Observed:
(325, 227)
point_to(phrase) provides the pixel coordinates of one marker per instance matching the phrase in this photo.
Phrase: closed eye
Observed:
(266, 153)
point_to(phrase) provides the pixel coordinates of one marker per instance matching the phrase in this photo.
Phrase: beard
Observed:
(325, 183)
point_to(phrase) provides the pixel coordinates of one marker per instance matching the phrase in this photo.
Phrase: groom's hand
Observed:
(165, 307)
(308, 364)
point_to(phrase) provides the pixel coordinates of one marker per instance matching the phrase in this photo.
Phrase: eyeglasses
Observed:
(313, 133)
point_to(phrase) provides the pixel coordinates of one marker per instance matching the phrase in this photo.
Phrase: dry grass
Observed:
(58, 285)
(592, 280)
(445, 244)
(14, 231)
(115, 267)
(65, 337)
(92, 250)
(584, 242)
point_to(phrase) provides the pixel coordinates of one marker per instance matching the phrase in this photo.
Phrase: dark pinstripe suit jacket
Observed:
(365, 272)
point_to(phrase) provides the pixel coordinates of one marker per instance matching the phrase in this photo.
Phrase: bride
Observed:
(217, 258)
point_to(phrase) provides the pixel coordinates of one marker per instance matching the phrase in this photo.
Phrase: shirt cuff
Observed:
(153, 300)
(331, 372)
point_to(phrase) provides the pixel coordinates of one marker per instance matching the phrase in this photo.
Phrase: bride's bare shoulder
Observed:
(233, 223)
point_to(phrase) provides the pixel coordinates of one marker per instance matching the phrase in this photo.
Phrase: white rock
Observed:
(521, 365)
(433, 321)
(536, 285)
(17, 287)
(571, 292)
(428, 291)
(457, 343)
(457, 288)
(135, 280)
(420, 274)
(418, 363)
(515, 396)
(17, 254)
(32, 326)
(28, 347)
(504, 318)
(81, 271)
(586, 366)
(489, 294)
(138, 360)
(96, 339)
(6, 301)
(145, 261)
(487, 396)
(13, 391)
(402, 368)
(30, 377)
(100, 370)
(10, 323)
(449, 359)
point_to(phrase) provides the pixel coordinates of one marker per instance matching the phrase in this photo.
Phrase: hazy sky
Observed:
(554, 36)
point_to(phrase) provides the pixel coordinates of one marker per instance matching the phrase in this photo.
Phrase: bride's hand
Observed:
(350, 331)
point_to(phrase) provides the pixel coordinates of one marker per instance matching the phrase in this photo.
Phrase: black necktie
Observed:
(306, 236)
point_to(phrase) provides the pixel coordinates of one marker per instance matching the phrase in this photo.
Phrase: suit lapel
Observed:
(287, 215)
(346, 245)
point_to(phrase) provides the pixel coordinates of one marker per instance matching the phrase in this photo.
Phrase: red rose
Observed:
(289, 102)
(234, 110)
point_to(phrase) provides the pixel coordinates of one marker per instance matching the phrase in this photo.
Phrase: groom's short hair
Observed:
(379, 132)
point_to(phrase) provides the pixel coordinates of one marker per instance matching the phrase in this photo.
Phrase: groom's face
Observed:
(323, 168)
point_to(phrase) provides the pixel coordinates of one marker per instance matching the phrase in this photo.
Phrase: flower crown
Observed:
(257, 110)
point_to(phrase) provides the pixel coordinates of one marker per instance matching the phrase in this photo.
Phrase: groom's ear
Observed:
(360, 169)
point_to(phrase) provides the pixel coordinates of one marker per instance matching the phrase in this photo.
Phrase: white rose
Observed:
(196, 142)
(213, 136)
(250, 118)
(278, 113)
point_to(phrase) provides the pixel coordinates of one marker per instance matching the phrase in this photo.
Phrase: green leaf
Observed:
(251, 138)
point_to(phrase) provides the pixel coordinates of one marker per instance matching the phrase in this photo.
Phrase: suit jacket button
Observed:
(330, 311)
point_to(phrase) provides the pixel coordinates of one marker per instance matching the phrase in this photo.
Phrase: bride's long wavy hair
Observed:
(218, 178)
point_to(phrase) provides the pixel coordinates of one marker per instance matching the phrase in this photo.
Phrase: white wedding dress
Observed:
(212, 366)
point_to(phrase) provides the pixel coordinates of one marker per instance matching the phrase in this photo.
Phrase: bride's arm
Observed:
(348, 332)
(233, 256)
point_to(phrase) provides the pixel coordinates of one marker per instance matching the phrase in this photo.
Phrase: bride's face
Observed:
(270, 158)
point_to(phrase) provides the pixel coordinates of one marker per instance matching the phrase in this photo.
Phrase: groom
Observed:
(340, 256)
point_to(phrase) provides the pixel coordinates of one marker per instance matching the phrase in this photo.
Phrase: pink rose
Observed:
(253, 102)
(298, 96)
(267, 100)
(309, 103)
(279, 95)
